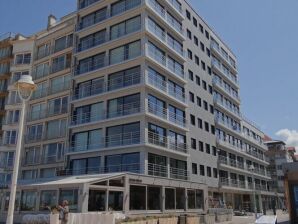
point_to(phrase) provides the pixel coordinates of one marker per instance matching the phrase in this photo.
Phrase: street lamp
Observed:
(252, 168)
(25, 87)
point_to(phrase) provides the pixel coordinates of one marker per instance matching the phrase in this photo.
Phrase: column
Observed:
(84, 198)
(126, 195)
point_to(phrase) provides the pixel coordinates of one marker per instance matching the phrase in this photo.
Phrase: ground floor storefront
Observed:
(131, 194)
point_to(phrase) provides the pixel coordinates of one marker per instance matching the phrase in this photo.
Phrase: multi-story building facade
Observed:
(47, 120)
(278, 154)
(143, 87)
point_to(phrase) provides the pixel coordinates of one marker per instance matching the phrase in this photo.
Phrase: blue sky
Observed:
(262, 34)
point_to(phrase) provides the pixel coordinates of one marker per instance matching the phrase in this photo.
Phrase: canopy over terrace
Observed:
(126, 192)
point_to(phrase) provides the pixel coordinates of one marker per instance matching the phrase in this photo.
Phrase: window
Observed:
(197, 60)
(88, 140)
(126, 27)
(213, 129)
(123, 5)
(205, 105)
(115, 202)
(56, 129)
(89, 165)
(177, 141)
(137, 199)
(23, 59)
(206, 126)
(35, 132)
(126, 134)
(157, 161)
(196, 40)
(208, 52)
(32, 155)
(16, 76)
(207, 146)
(29, 174)
(200, 123)
(190, 75)
(60, 63)
(124, 78)
(198, 80)
(202, 170)
(192, 119)
(188, 34)
(201, 146)
(10, 137)
(126, 52)
(40, 70)
(38, 111)
(215, 174)
(191, 97)
(28, 200)
(189, 53)
(193, 143)
(195, 22)
(93, 18)
(123, 106)
(195, 199)
(94, 39)
(176, 115)
(211, 109)
(53, 152)
(47, 199)
(63, 42)
(194, 168)
(88, 113)
(71, 196)
(153, 198)
(209, 171)
(188, 15)
(169, 196)
(203, 65)
(12, 116)
(202, 47)
(91, 63)
(209, 70)
(214, 151)
(199, 101)
(58, 106)
(201, 28)
(97, 200)
(207, 34)
(204, 85)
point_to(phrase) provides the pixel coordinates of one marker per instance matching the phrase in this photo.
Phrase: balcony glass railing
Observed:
(233, 127)
(122, 110)
(165, 62)
(229, 92)
(106, 86)
(86, 3)
(215, 63)
(228, 107)
(56, 88)
(124, 139)
(163, 36)
(166, 142)
(165, 114)
(224, 55)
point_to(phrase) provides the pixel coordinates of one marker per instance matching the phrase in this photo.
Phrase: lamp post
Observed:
(25, 87)
(252, 168)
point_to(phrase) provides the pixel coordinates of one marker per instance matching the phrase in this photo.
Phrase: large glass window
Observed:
(71, 196)
(40, 70)
(123, 162)
(47, 199)
(195, 199)
(88, 113)
(93, 18)
(61, 62)
(157, 54)
(157, 165)
(28, 200)
(170, 198)
(153, 198)
(38, 111)
(59, 84)
(126, 52)
(177, 141)
(85, 166)
(97, 200)
(123, 5)
(126, 27)
(88, 140)
(23, 59)
(56, 129)
(157, 106)
(157, 135)
(91, 63)
(176, 115)
(125, 134)
(58, 106)
(53, 152)
(89, 88)
(63, 42)
(137, 198)
(124, 78)
(115, 202)
(124, 105)
(156, 79)
(32, 155)
(10, 137)
(12, 116)
(92, 40)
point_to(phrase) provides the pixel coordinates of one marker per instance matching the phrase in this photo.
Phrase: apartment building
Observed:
(137, 100)
(278, 154)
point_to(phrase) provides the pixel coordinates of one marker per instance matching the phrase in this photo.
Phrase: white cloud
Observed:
(289, 136)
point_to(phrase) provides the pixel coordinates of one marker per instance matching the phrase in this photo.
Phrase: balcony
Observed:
(231, 162)
(85, 3)
(164, 114)
(42, 114)
(42, 53)
(60, 66)
(165, 39)
(166, 142)
(7, 164)
(132, 167)
(91, 117)
(164, 87)
(228, 108)
(217, 66)
(228, 125)
(221, 86)
(230, 182)
(168, 172)
(107, 86)
(90, 43)
(112, 141)
(165, 62)
(164, 15)
(216, 49)
(54, 89)
(176, 6)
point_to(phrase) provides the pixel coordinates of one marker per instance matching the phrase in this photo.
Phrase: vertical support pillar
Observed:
(84, 198)
(126, 195)
(163, 199)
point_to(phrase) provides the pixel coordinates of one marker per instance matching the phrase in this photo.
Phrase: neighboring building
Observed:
(278, 154)
(153, 92)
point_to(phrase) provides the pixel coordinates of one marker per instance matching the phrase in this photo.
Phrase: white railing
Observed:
(232, 127)
(164, 61)
(106, 86)
(129, 138)
(229, 92)
(163, 36)
(181, 174)
(165, 114)
(122, 110)
(225, 72)
(57, 88)
(216, 47)
(166, 142)
(227, 107)
(157, 170)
